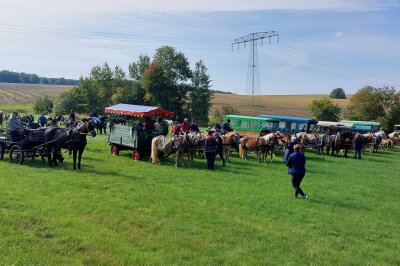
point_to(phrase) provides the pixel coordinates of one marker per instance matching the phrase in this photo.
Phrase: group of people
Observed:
(16, 128)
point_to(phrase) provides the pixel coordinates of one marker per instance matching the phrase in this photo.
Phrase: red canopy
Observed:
(137, 110)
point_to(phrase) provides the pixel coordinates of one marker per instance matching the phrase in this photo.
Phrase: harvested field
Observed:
(291, 105)
(13, 93)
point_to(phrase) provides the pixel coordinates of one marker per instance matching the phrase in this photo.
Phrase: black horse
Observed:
(342, 140)
(72, 139)
(102, 126)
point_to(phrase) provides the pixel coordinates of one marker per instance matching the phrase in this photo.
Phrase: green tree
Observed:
(376, 104)
(337, 93)
(324, 109)
(165, 80)
(43, 104)
(218, 115)
(199, 99)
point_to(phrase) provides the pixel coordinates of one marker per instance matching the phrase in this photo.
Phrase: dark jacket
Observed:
(358, 143)
(289, 150)
(227, 128)
(210, 145)
(297, 163)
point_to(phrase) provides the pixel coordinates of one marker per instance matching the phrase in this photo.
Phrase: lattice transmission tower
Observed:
(253, 74)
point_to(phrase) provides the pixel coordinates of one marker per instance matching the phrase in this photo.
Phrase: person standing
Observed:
(220, 147)
(297, 169)
(42, 120)
(72, 116)
(210, 149)
(357, 145)
(161, 127)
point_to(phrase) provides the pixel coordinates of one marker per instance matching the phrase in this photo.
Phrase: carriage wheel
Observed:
(16, 154)
(136, 155)
(114, 150)
(2, 151)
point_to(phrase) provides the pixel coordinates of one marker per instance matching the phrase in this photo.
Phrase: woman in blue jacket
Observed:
(297, 169)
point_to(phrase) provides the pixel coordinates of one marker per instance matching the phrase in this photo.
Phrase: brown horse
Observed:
(388, 143)
(261, 145)
(230, 140)
(162, 146)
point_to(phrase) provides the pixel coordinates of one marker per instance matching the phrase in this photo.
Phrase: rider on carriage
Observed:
(15, 127)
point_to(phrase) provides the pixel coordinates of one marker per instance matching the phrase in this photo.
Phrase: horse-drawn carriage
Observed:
(132, 135)
(30, 143)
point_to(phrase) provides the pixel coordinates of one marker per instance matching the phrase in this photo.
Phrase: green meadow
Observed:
(117, 211)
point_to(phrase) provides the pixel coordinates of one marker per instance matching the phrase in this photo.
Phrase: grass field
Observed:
(117, 211)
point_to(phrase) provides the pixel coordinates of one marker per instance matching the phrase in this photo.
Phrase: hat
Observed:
(210, 130)
(228, 120)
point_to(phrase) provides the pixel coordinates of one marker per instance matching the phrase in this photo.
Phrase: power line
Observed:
(253, 73)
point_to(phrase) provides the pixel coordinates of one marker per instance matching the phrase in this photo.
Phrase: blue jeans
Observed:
(357, 152)
(210, 159)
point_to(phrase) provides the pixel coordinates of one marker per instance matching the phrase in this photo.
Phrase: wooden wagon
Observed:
(131, 134)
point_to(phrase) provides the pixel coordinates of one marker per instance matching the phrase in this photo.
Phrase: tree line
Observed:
(381, 104)
(21, 77)
(165, 80)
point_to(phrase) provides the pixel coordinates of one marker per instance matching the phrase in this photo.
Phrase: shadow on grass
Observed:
(350, 204)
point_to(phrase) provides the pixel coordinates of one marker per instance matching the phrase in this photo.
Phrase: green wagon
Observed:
(131, 135)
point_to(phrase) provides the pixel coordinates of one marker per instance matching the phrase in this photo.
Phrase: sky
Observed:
(323, 44)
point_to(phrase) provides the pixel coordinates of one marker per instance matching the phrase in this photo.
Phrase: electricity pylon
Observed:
(253, 75)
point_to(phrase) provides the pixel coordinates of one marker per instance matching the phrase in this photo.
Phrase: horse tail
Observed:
(154, 150)
(241, 148)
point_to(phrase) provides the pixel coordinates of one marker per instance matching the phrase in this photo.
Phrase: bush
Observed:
(43, 105)
(324, 109)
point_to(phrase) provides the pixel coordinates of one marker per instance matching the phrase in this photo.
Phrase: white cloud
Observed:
(339, 34)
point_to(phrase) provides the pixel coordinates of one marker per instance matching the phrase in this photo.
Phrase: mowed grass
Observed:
(117, 211)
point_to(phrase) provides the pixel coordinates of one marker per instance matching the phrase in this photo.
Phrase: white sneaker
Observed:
(305, 197)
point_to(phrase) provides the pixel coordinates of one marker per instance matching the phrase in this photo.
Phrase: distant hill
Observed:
(21, 77)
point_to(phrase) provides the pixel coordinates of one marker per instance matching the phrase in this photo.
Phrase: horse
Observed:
(162, 146)
(72, 139)
(102, 125)
(320, 142)
(342, 140)
(388, 143)
(192, 140)
(230, 140)
(258, 144)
